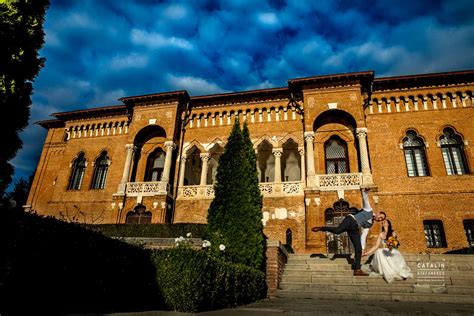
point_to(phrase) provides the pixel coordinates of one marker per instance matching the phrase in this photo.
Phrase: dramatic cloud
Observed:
(99, 51)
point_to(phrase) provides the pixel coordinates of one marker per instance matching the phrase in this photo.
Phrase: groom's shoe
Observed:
(359, 272)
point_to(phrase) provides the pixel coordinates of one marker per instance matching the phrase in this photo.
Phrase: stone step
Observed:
(349, 288)
(318, 267)
(413, 257)
(380, 296)
(341, 280)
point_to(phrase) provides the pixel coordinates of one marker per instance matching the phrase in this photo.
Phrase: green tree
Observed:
(235, 215)
(21, 36)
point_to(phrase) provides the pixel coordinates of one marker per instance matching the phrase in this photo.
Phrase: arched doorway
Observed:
(333, 216)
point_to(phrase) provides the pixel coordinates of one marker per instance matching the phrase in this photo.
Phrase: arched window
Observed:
(336, 156)
(155, 165)
(77, 173)
(289, 237)
(452, 148)
(139, 215)
(101, 166)
(415, 158)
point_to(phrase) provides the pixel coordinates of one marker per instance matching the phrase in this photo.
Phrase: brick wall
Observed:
(276, 260)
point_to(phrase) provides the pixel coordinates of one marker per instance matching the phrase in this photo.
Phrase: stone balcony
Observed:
(268, 189)
(334, 182)
(146, 188)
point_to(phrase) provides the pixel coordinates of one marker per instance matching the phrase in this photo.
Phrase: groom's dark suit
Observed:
(351, 224)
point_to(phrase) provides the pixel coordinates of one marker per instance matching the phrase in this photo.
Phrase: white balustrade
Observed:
(268, 189)
(346, 181)
(146, 188)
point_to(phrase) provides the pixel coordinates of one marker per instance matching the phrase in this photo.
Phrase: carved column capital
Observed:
(170, 145)
(301, 151)
(361, 132)
(205, 157)
(309, 136)
(131, 148)
(277, 152)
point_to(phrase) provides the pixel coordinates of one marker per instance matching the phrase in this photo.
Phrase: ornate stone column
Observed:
(311, 175)
(277, 152)
(170, 146)
(182, 171)
(364, 156)
(126, 169)
(205, 158)
(303, 165)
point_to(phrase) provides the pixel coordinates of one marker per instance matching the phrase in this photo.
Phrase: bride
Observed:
(388, 262)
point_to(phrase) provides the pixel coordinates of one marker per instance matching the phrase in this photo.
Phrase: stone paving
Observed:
(298, 307)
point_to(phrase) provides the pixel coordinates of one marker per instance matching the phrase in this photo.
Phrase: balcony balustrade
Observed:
(345, 181)
(268, 189)
(147, 188)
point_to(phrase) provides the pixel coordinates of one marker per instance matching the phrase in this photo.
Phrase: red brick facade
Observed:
(293, 129)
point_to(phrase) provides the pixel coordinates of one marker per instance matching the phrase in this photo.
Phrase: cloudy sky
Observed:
(99, 51)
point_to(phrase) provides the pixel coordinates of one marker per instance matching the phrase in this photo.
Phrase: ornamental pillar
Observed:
(277, 152)
(182, 171)
(170, 146)
(303, 165)
(126, 168)
(364, 156)
(311, 175)
(205, 158)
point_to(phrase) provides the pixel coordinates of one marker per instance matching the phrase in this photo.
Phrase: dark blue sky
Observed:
(99, 51)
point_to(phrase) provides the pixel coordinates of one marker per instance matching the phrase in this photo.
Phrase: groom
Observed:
(352, 224)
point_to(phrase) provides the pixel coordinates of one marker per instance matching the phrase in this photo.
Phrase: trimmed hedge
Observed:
(150, 230)
(191, 281)
(50, 265)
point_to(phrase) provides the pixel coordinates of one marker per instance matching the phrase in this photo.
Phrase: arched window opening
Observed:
(415, 157)
(291, 162)
(77, 173)
(213, 163)
(155, 165)
(192, 174)
(452, 148)
(138, 216)
(337, 160)
(266, 162)
(101, 166)
(469, 230)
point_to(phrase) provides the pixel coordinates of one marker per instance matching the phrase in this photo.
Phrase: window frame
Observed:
(101, 169)
(442, 236)
(78, 170)
(449, 148)
(343, 143)
(411, 150)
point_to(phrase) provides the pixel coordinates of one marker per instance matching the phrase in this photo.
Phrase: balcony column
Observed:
(303, 166)
(182, 171)
(126, 169)
(170, 146)
(205, 159)
(277, 152)
(364, 156)
(311, 175)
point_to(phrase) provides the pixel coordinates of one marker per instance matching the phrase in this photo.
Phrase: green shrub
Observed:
(150, 230)
(191, 280)
(57, 266)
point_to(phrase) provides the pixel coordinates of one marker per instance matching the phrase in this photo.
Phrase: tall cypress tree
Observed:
(235, 217)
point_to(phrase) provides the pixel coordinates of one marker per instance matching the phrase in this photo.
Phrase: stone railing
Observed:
(268, 189)
(347, 181)
(196, 192)
(146, 188)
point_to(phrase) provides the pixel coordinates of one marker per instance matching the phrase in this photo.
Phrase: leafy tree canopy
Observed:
(21, 36)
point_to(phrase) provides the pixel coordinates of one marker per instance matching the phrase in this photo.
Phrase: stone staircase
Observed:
(437, 278)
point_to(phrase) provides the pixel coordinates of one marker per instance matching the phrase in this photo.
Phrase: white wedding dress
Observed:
(390, 264)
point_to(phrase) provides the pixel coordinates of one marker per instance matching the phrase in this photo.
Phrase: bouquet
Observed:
(392, 242)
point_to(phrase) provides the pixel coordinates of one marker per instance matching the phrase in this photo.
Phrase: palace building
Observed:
(318, 142)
